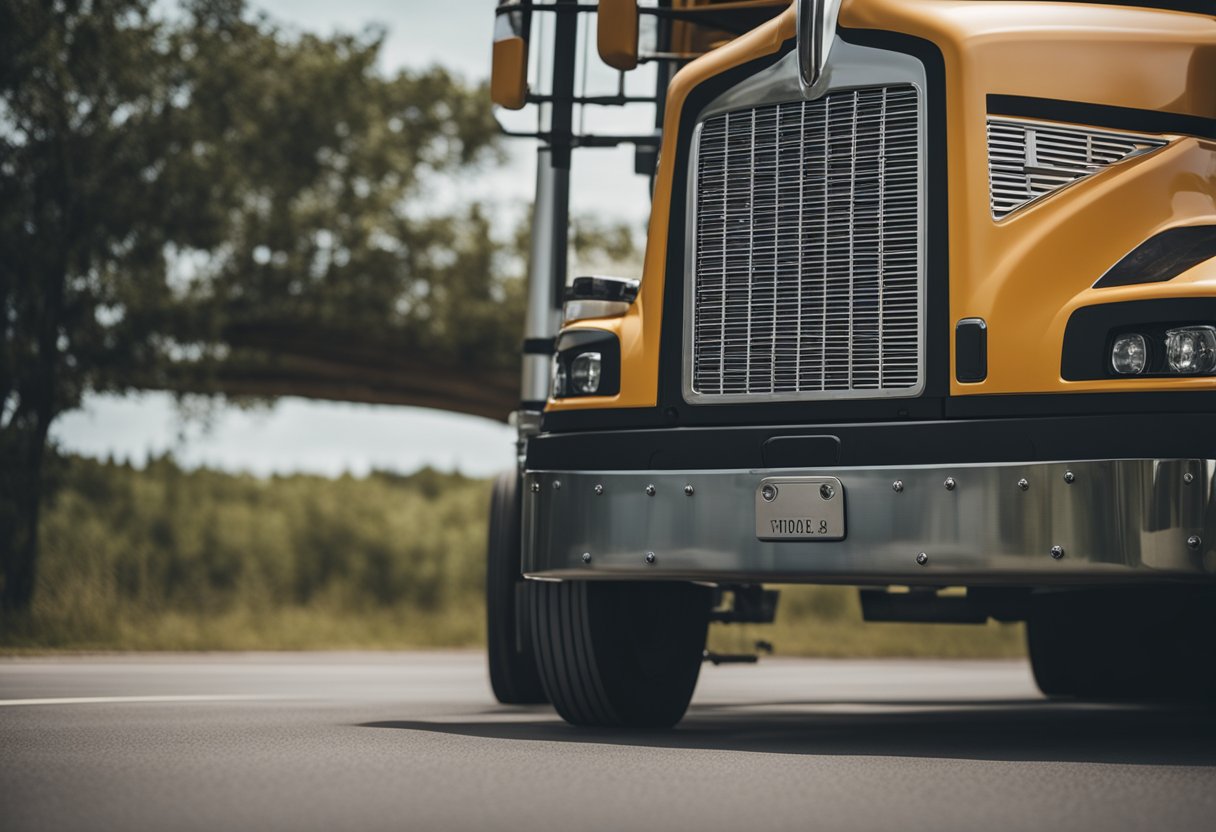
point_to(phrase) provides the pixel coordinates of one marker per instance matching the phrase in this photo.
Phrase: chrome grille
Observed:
(1027, 159)
(806, 271)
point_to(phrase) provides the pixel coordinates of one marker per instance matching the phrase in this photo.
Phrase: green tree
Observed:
(198, 200)
(201, 201)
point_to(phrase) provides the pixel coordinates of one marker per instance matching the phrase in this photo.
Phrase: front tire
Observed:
(1134, 643)
(513, 673)
(620, 654)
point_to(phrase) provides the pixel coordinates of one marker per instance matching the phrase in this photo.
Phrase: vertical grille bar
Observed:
(806, 279)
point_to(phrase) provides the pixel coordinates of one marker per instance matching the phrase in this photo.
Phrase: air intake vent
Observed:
(1027, 160)
(806, 270)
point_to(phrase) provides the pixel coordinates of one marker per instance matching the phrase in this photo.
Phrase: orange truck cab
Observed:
(928, 301)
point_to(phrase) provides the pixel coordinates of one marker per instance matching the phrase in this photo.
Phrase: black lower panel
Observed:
(1128, 436)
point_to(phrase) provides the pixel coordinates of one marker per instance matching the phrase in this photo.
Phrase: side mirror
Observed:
(509, 70)
(617, 37)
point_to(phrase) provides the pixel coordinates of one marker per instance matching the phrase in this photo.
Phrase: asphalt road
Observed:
(415, 742)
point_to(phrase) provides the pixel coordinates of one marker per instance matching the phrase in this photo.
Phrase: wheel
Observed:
(620, 654)
(1125, 643)
(1055, 645)
(513, 673)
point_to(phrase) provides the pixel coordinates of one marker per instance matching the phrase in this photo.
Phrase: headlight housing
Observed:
(1179, 351)
(586, 362)
(1156, 338)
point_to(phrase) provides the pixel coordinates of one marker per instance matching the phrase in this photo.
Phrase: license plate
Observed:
(800, 508)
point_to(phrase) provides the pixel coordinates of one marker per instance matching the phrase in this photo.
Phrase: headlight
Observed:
(1191, 350)
(585, 373)
(586, 362)
(1129, 355)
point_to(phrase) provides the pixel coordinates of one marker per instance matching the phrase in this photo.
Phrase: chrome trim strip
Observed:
(1115, 520)
(579, 310)
(816, 31)
(809, 28)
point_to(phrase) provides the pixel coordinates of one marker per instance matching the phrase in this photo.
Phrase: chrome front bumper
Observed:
(1012, 524)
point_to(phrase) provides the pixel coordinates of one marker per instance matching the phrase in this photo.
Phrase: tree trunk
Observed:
(23, 448)
(22, 453)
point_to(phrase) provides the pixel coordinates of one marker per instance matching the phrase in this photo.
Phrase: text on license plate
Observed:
(800, 508)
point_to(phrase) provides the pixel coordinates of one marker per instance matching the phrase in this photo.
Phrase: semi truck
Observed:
(927, 307)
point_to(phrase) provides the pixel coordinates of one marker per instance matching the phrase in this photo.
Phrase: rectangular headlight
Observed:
(1191, 350)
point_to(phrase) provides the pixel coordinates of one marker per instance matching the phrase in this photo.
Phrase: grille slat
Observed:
(806, 277)
(1027, 160)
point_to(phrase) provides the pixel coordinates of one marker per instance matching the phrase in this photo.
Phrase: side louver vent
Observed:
(1027, 160)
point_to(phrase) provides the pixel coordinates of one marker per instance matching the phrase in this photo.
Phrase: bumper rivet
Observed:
(1194, 541)
(650, 557)
(1070, 477)
(922, 558)
(688, 489)
(1024, 484)
(599, 489)
(949, 483)
(557, 485)
(535, 487)
(1188, 478)
(897, 486)
(586, 557)
(650, 490)
(1057, 552)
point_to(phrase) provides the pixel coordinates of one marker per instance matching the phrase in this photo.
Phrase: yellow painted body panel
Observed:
(1027, 273)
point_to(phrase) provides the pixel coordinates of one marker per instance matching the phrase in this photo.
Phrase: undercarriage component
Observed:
(928, 606)
(739, 658)
(750, 604)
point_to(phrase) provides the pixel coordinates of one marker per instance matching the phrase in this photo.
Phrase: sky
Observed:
(334, 438)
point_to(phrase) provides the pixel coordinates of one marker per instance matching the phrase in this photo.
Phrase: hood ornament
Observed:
(816, 28)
